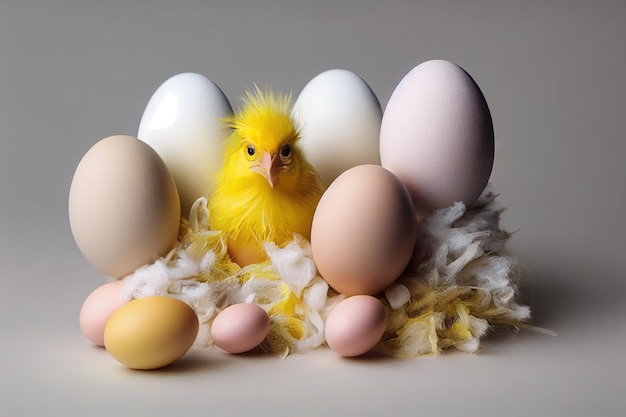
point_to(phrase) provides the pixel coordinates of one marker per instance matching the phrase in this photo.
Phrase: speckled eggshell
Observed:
(363, 231)
(240, 327)
(339, 117)
(355, 325)
(123, 206)
(437, 136)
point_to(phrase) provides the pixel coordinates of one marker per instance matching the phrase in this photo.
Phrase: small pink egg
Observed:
(240, 328)
(356, 325)
(97, 308)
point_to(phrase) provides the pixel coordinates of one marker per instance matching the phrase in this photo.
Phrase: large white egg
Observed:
(437, 136)
(339, 118)
(124, 209)
(183, 123)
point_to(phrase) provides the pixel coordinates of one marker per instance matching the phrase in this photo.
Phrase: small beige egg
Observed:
(363, 231)
(355, 325)
(97, 308)
(240, 328)
(151, 332)
(124, 209)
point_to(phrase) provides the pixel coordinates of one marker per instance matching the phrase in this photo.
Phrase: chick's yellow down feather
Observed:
(266, 189)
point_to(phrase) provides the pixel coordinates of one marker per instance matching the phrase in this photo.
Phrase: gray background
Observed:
(553, 74)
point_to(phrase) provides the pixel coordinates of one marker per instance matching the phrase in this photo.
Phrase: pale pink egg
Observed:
(356, 325)
(363, 231)
(97, 308)
(240, 328)
(437, 136)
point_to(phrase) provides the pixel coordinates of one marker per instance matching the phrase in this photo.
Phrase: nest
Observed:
(465, 284)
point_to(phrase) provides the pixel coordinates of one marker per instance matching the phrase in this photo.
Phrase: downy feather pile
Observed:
(466, 284)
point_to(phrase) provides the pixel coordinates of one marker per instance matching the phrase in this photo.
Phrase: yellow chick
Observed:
(266, 190)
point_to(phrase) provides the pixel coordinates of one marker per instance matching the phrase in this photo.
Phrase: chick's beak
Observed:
(268, 167)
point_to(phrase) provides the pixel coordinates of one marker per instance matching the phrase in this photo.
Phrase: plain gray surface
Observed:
(552, 72)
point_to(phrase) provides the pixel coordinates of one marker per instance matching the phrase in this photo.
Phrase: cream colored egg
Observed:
(124, 210)
(151, 332)
(339, 118)
(363, 231)
(355, 325)
(437, 136)
(183, 123)
(240, 327)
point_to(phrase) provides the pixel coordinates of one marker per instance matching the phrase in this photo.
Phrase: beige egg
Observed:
(151, 332)
(124, 209)
(355, 325)
(97, 308)
(363, 231)
(240, 327)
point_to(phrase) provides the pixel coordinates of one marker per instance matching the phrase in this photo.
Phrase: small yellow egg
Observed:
(151, 332)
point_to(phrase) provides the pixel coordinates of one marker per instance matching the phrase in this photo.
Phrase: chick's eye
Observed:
(250, 150)
(285, 151)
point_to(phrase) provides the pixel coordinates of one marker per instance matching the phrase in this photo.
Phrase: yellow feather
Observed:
(266, 190)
